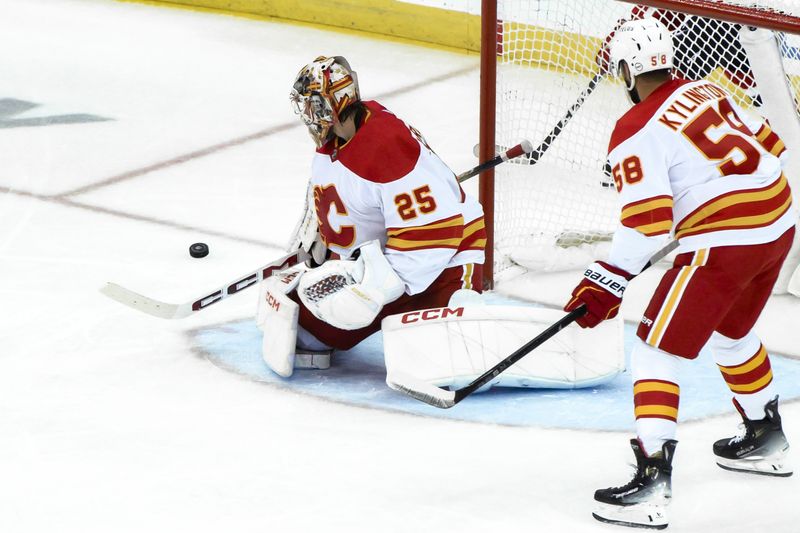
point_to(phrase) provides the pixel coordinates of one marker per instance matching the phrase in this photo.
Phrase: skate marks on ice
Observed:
(357, 377)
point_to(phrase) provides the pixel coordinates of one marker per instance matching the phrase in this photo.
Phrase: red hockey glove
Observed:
(600, 291)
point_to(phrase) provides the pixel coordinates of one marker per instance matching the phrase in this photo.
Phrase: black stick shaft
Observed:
(521, 352)
(536, 154)
(511, 153)
(559, 127)
(541, 338)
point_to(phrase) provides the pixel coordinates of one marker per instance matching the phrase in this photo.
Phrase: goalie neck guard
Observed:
(322, 91)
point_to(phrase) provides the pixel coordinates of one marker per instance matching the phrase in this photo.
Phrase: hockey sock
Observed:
(745, 366)
(656, 395)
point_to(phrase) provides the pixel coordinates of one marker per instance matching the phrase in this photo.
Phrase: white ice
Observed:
(109, 421)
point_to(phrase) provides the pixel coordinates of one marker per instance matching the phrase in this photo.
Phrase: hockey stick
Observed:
(535, 154)
(444, 399)
(525, 147)
(168, 310)
(161, 309)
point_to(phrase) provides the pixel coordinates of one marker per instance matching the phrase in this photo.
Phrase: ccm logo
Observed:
(273, 302)
(431, 314)
(287, 279)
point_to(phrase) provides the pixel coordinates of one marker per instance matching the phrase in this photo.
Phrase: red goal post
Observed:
(537, 59)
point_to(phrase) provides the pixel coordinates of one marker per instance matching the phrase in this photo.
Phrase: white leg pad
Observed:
(449, 347)
(277, 317)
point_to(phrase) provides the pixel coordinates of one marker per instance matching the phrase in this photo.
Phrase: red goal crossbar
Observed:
(762, 17)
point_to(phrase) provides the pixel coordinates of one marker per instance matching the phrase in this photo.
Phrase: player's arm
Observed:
(758, 126)
(640, 169)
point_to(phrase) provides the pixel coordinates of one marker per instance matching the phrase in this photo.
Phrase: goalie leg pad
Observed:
(277, 318)
(461, 343)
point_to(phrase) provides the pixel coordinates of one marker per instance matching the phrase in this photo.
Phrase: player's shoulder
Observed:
(383, 149)
(637, 117)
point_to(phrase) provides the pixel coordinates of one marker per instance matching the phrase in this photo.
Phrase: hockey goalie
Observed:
(392, 234)
(386, 222)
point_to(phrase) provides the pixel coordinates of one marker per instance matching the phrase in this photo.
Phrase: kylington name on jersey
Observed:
(680, 111)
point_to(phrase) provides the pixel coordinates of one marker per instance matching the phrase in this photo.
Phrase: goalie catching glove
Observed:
(601, 291)
(350, 294)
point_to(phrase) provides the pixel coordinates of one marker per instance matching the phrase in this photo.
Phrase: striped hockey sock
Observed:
(656, 396)
(746, 369)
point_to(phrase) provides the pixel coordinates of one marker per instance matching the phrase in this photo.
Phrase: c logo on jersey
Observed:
(326, 198)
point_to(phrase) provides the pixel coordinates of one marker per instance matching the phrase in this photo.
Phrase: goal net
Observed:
(560, 212)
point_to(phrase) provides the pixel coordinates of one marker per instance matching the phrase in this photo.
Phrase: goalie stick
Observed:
(444, 399)
(154, 307)
(160, 309)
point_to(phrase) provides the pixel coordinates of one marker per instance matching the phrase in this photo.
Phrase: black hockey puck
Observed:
(198, 249)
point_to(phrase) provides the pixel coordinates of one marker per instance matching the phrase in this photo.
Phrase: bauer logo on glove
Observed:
(601, 292)
(609, 283)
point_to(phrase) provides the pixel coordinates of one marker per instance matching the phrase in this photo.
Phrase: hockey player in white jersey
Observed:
(690, 164)
(403, 234)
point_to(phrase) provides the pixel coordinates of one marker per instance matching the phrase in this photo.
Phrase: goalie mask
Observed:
(644, 45)
(322, 90)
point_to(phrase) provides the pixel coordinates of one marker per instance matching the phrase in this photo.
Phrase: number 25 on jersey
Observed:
(419, 199)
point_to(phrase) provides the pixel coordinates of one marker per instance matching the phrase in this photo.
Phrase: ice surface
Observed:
(116, 421)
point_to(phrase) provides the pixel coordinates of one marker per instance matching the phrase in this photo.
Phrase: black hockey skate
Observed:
(643, 501)
(762, 447)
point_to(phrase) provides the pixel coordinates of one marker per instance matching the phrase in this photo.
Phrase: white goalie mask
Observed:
(322, 90)
(644, 45)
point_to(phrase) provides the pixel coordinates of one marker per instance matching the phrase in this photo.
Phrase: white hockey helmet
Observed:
(644, 45)
(322, 90)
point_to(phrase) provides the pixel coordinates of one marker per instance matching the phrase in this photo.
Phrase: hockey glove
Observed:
(350, 294)
(600, 291)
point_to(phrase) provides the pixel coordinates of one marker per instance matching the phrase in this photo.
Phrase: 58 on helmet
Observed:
(643, 46)
(322, 91)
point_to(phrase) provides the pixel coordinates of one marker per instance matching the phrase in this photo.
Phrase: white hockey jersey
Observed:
(691, 164)
(387, 184)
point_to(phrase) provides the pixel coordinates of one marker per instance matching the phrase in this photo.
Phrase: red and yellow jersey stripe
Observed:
(651, 216)
(770, 140)
(450, 233)
(445, 233)
(742, 209)
(474, 237)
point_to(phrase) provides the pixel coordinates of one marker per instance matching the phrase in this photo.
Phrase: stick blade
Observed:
(142, 303)
(421, 390)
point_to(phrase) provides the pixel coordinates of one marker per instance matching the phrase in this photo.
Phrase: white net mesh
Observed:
(561, 212)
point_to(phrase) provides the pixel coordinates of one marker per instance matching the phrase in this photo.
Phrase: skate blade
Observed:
(778, 466)
(312, 360)
(640, 515)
